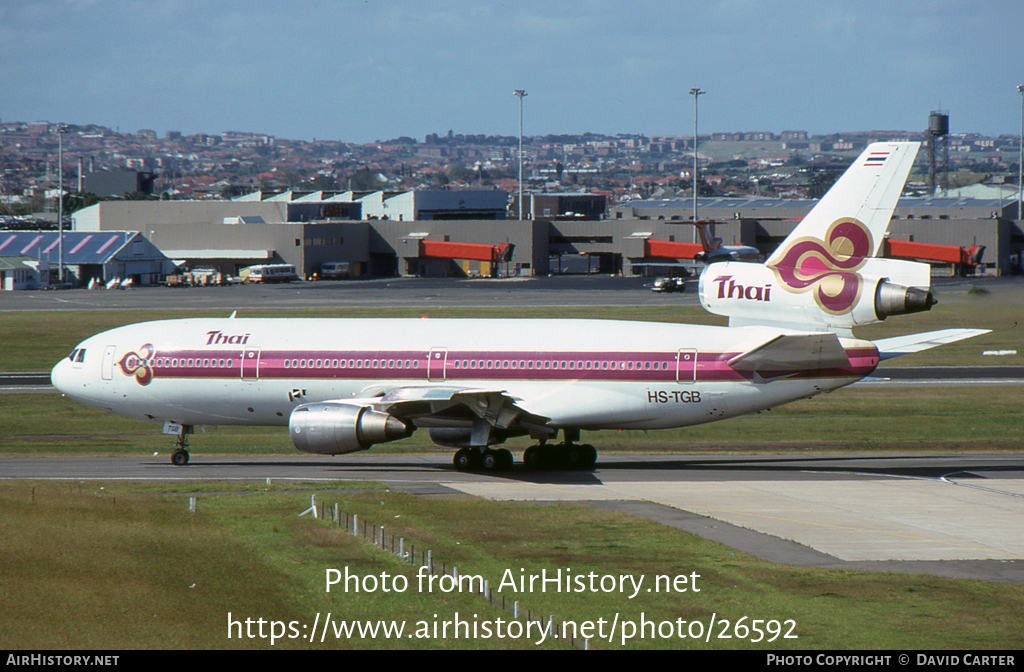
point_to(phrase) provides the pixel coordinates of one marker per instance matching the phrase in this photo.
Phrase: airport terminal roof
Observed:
(80, 247)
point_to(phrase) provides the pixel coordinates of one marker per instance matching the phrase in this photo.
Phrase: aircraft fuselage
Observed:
(585, 374)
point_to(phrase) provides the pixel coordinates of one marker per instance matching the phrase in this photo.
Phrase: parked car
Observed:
(669, 285)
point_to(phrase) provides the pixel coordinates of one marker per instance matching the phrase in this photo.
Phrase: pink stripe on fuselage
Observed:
(473, 365)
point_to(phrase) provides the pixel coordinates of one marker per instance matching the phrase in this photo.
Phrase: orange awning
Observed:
(671, 250)
(475, 251)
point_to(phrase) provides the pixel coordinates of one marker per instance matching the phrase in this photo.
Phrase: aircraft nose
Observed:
(60, 376)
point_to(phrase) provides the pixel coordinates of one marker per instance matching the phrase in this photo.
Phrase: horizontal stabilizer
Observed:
(905, 345)
(794, 352)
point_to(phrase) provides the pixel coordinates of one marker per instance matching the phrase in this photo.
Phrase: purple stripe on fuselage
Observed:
(474, 365)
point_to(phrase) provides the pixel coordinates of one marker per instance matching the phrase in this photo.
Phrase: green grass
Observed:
(110, 567)
(101, 566)
(954, 418)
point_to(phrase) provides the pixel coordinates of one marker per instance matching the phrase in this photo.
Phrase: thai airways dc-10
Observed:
(343, 385)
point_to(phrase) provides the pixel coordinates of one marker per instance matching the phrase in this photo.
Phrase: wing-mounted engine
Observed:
(454, 416)
(333, 428)
(813, 294)
(463, 417)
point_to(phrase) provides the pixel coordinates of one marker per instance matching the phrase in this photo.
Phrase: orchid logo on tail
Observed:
(139, 364)
(828, 268)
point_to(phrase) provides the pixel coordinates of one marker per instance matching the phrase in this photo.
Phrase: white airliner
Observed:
(343, 385)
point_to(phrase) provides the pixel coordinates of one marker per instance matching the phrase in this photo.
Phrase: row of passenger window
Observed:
(165, 362)
(491, 364)
(538, 365)
(352, 364)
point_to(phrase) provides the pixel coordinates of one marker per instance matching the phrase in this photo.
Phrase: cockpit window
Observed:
(72, 355)
(81, 356)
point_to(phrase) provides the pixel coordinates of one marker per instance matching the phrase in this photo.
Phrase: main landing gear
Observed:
(487, 460)
(566, 455)
(179, 457)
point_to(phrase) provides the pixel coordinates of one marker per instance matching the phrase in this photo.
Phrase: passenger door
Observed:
(251, 364)
(436, 361)
(686, 366)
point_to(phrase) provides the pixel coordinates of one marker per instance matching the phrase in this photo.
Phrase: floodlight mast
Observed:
(695, 92)
(61, 130)
(1020, 159)
(520, 93)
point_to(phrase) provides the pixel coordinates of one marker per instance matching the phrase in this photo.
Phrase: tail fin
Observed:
(826, 275)
(867, 193)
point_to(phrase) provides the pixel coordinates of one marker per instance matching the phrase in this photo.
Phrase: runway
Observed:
(950, 515)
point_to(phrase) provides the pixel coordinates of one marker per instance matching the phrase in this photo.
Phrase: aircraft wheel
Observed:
(589, 455)
(575, 457)
(533, 458)
(505, 459)
(179, 457)
(491, 461)
(463, 459)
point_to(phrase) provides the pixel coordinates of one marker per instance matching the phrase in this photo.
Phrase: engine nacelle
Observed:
(817, 295)
(336, 428)
(450, 437)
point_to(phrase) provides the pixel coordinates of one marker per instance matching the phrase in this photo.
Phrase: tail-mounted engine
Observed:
(822, 296)
(335, 428)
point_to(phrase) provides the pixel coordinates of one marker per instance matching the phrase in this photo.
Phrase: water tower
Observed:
(938, 151)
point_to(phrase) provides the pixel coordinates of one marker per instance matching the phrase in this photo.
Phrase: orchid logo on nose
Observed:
(828, 268)
(139, 364)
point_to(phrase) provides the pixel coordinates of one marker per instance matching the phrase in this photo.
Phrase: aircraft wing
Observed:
(905, 345)
(450, 406)
(793, 352)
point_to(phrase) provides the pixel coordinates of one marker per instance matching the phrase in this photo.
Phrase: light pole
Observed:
(520, 93)
(1020, 159)
(695, 92)
(61, 130)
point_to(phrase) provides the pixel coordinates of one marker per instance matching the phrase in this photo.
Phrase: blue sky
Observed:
(361, 70)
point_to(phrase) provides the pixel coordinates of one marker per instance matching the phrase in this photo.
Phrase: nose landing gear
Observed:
(179, 457)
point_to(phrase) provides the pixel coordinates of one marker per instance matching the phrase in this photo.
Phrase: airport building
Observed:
(28, 259)
(468, 233)
(22, 273)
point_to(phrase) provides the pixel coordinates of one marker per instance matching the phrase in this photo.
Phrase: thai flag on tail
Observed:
(876, 159)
